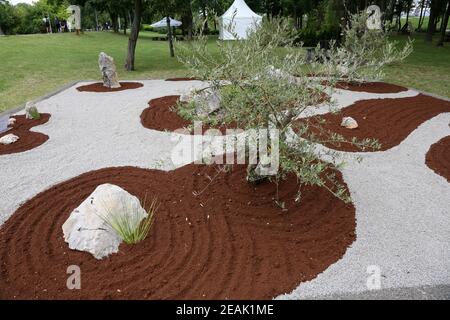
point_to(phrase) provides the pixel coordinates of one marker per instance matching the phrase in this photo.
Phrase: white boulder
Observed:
(109, 71)
(206, 101)
(188, 96)
(349, 123)
(9, 139)
(279, 74)
(31, 110)
(86, 228)
(12, 121)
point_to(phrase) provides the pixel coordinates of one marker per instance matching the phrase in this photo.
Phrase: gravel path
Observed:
(402, 206)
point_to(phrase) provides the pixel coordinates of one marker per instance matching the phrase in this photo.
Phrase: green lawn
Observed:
(427, 68)
(37, 64)
(33, 65)
(415, 22)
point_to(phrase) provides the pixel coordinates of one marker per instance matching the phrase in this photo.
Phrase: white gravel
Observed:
(402, 206)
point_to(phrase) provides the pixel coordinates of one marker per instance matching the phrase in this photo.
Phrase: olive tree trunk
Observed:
(134, 34)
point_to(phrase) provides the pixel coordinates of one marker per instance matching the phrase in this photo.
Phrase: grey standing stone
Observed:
(109, 72)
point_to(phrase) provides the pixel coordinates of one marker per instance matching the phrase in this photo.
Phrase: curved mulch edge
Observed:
(371, 87)
(99, 87)
(183, 79)
(27, 139)
(389, 121)
(229, 242)
(438, 158)
(161, 115)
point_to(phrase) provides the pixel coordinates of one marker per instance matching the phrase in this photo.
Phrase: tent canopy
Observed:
(241, 19)
(163, 23)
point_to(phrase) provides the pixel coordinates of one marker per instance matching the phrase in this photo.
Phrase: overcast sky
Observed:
(18, 1)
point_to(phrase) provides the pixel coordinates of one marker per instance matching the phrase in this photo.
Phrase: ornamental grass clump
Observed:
(129, 222)
(258, 90)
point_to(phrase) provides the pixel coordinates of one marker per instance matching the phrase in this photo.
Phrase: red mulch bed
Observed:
(162, 116)
(27, 139)
(230, 242)
(99, 87)
(182, 79)
(389, 121)
(371, 87)
(438, 158)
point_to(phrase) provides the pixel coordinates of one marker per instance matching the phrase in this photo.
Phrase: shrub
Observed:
(34, 113)
(364, 53)
(258, 96)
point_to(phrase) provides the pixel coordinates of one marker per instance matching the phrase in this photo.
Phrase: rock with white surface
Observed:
(31, 111)
(8, 139)
(349, 123)
(86, 228)
(12, 121)
(109, 71)
(206, 101)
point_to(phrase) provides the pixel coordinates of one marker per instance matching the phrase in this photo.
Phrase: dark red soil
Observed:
(229, 242)
(389, 121)
(438, 158)
(182, 79)
(371, 87)
(27, 139)
(162, 116)
(99, 87)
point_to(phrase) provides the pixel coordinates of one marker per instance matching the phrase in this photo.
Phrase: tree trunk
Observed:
(295, 17)
(170, 37)
(444, 25)
(114, 21)
(432, 20)
(205, 21)
(134, 34)
(421, 16)
(96, 19)
(408, 8)
(125, 24)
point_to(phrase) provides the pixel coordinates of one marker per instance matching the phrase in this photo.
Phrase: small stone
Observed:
(31, 111)
(8, 139)
(109, 71)
(349, 123)
(12, 121)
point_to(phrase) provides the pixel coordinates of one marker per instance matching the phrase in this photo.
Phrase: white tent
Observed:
(240, 19)
(163, 23)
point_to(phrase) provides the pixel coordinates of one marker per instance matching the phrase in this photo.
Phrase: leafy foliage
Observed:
(364, 53)
(258, 90)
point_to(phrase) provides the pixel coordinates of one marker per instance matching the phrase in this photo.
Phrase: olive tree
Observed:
(257, 89)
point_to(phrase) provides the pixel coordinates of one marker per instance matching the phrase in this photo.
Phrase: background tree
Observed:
(444, 25)
(134, 35)
(436, 8)
(8, 18)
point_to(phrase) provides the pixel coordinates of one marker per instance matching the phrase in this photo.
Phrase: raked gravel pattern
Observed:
(402, 206)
